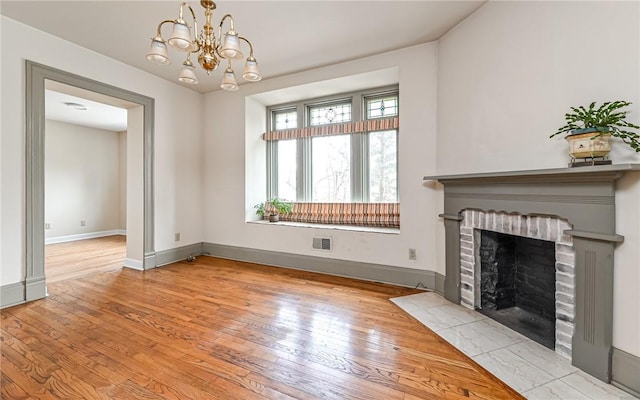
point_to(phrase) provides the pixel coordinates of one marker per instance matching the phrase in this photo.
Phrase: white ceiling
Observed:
(97, 110)
(94, 115)
(288, 36)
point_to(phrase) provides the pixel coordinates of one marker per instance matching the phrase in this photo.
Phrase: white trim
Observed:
(133, 264)
(83, 236)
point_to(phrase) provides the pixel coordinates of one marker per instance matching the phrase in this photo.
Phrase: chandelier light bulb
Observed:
(180, 36)
(251, 72)
(158, 51)
(188, 73)
(229, 80)
(231, 47)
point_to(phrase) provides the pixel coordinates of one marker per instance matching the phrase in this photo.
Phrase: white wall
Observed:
(178, 135)
(82, 179)
(506, 76)
(234, 166)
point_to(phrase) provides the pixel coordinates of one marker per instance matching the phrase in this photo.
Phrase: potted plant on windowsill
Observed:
(589, 130)
(260, 210)
(273, 208)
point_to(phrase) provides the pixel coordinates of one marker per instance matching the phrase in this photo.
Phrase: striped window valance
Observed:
(370, 125)
(385, 215)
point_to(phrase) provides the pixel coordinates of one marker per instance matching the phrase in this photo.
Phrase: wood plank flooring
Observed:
(73, 259)
(219, 329)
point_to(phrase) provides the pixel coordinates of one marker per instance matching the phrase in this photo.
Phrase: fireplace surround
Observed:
(585, 198)
(549, 229)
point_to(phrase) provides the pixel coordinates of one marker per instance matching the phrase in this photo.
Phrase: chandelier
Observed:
(211, 51)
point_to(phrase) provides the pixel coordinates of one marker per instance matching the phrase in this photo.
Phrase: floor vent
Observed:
(322, 243)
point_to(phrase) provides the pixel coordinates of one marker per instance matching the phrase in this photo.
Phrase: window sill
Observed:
(353, 228)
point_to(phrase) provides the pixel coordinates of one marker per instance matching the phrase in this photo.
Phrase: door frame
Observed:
(36, 75)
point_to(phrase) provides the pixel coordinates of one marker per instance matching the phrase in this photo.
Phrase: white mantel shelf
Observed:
(576, 173)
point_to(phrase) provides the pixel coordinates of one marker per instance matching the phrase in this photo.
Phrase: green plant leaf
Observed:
(608, 117)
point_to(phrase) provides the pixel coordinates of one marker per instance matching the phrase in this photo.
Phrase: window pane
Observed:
(287, 169)
(285, 120)
(330, 114)
(331, 168)
(382, 107)
(383, 169)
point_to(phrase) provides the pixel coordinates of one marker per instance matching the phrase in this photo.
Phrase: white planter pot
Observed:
(583, 145)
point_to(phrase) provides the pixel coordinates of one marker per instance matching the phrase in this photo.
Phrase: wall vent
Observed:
(322, 243)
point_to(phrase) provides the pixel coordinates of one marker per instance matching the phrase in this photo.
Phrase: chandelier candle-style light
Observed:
(210, 50)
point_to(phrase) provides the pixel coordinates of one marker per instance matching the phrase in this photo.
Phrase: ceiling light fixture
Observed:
(210, 50)
(75, 106)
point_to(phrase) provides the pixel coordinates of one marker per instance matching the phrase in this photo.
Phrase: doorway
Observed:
(85, 182)
(140, 247)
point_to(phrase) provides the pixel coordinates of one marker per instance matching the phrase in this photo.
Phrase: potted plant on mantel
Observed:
(273, 208)
(591, 128)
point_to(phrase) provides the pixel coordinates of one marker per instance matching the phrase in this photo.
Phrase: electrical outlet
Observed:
(412, 254)
(177, 237)
(83, 223)
(47, 225)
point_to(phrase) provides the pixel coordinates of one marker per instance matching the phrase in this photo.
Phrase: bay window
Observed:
(342, 149)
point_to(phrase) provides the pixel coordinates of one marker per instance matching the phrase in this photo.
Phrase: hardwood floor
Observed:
(73, 259)
(219, 329)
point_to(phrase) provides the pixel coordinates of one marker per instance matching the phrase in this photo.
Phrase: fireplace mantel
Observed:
(585, 197)
(576, 174)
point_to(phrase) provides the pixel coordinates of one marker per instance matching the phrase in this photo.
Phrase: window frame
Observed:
(359, 189)
(337, 101)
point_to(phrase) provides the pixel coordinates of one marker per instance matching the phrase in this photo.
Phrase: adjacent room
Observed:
(320, 200)
(85, 184)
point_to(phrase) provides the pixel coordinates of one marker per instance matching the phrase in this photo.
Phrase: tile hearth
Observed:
(530, 368)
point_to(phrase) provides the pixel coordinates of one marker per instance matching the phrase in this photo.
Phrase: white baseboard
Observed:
(83, 236)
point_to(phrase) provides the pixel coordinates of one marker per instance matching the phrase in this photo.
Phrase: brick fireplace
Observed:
(545, 228)
(572, 207)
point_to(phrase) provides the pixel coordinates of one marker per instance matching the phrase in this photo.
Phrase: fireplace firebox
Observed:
(517, 284)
